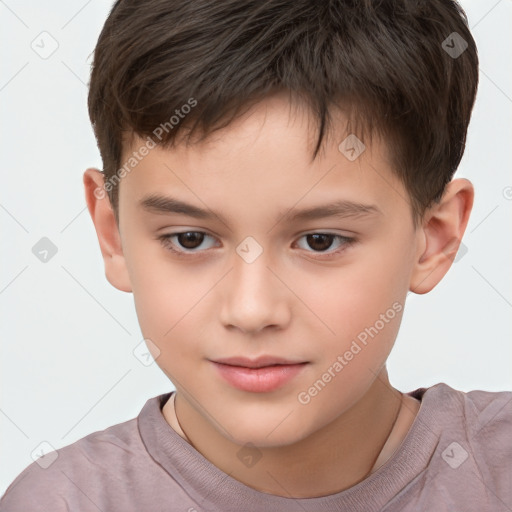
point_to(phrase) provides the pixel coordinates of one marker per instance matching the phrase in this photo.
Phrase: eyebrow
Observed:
(158, 204)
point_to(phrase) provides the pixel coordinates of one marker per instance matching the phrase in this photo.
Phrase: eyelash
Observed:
(166, 242)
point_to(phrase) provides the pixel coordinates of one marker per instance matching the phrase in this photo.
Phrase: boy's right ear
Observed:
(107, 231)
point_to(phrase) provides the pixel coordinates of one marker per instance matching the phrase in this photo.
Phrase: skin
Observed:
(292, 301)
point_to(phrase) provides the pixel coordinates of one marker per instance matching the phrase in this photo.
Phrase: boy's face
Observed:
(319, 300)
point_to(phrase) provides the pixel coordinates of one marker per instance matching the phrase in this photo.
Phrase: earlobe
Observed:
(441, 235)
(102, 215)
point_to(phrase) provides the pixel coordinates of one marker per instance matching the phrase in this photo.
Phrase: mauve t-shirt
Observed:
(456, 457)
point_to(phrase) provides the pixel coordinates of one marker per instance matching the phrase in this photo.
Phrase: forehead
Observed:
(267, 154)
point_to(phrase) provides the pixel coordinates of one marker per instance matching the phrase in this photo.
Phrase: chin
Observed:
(273, 433)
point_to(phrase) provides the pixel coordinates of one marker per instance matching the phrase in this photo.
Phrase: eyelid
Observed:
(347, 241)
(165, 240)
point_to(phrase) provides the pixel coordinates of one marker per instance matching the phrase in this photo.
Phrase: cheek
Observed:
(167, 295)
(366, 329)
(167, 312)
(352, 297)
(360, 305)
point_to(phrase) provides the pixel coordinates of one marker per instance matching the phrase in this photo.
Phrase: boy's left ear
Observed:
(440, 235)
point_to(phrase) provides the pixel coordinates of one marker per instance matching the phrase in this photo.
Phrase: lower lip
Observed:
(259, 380)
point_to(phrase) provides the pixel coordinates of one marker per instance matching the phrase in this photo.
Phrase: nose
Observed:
(254, 298)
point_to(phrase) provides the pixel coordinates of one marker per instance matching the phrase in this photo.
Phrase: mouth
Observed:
(258, 376)
(260, 362)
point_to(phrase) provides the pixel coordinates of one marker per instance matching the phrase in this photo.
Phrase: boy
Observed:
(213, 201)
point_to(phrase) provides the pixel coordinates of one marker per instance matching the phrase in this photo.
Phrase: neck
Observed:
(339, 455)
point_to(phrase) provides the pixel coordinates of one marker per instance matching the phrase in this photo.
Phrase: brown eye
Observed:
(186, 242)
(190, 239)
(319, 241)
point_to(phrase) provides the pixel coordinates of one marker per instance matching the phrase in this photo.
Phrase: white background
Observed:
(67, 363)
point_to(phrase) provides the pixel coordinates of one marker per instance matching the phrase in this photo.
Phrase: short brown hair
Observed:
(389, 60)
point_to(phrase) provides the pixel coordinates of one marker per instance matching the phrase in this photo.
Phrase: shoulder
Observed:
(70, 477)
(481, 413)
(476, 426)
(488, 422)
